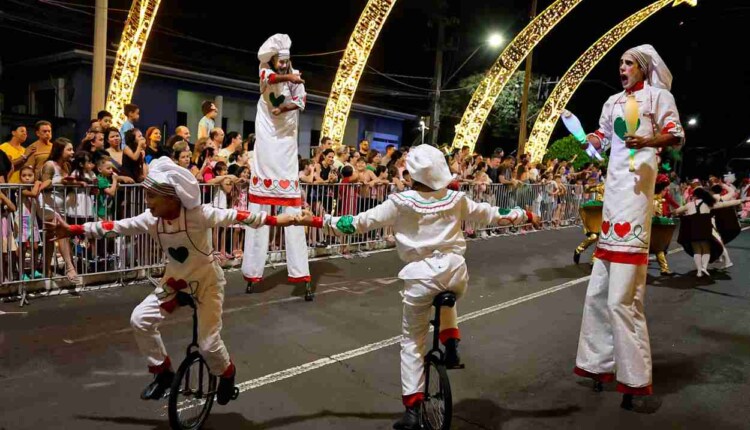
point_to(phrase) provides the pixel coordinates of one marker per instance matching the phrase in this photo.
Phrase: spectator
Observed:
(104, 119)
(107, 183)
(183, 157)
(373, 160)
(93, 143)
(39, 151)
(199, 150)
(29, 237)
(493, 169)
(364, 148)
(233, 144)
(389, 150)
(54, 171)
(154, 148)
(15, 151)
(249, 143)
(216, 139)
(133, 164)
(342, 158)
(132, 114)
(206, 124)
(114, 147)
(184, 133)
(80, 203)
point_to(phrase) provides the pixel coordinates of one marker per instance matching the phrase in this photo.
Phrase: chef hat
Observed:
(278, 44)
(656, 72)
(168, 179)
(426, 164)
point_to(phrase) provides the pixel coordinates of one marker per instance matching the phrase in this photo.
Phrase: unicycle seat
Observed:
(447, 298)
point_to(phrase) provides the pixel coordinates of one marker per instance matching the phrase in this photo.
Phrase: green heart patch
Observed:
(621, 128)
(276, 101)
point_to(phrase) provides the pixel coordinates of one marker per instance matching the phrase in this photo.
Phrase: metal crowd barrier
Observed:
(28, 265)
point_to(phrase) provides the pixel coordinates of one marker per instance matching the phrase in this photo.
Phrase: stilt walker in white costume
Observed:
(614, 341)
(176, 219)
(275, 170)
(427, 225)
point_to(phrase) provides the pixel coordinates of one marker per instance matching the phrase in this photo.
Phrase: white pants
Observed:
(148, 316)
(614, 336)
(418, 295)
(256, 248)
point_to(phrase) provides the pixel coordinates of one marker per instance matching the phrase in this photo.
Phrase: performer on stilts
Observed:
(427, 225)
(591, 215)
(275, 169)
(614, 341)
(182, 226)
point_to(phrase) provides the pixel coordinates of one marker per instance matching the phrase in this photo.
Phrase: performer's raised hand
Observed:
(58, 229)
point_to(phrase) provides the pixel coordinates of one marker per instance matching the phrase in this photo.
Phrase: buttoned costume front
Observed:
(191, 267)
(429, 237)
(614, 335)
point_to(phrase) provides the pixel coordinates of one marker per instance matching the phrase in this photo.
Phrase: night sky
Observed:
(710, 77)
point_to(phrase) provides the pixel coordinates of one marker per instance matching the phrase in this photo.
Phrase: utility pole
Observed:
(525, 97)
(99, 66)
(438, 80)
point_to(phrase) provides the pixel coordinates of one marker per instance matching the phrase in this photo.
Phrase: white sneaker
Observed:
(727, 265)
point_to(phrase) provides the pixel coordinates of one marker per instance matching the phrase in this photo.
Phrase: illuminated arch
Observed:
(467, 131)
(351, 67)
(129, 54)
(553, 107)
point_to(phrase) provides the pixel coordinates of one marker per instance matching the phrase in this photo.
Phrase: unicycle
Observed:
(193, 389)
(437, 409)
(309, 293)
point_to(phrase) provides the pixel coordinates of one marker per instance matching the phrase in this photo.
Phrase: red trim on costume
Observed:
(242, 215)
(449, 333)
(230, 371)
(667, 128)
(601, 377)
(640, 391)
(298, 280)
(247, 279)
(637, 87)
(529, 216)
(275, 201)
(599, 134)
(108, 225)
(271, 220)
(77, 230)
(621, 257)
(412, 400)
(163, 367)
(317, 222)
(272, 78)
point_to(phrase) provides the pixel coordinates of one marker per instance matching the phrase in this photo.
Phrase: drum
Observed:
(591, 215)
(662, 230)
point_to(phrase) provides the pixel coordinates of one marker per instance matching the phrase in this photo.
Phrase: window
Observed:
(181, 118)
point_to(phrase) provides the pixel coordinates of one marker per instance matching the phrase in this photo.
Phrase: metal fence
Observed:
(30, 263)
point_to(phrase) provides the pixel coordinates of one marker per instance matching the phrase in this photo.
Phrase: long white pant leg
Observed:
(418, 296)
(297, 265)
(596, 341)
(210, 305)
(256, 247)
(632, 348)
(145, 320)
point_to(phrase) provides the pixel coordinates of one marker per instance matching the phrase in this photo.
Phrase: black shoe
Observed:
(309, 295)
(640, 404)
(576, 256)
(249, 289)
(227, 391)
(411, 419)
(452, 359)
(669, 274)
(159, 386)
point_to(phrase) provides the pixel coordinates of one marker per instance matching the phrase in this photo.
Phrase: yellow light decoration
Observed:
(129, 54)
(569, 83)
(351, 67)
(467, 131)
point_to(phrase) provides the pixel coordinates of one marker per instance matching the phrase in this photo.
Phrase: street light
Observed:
(495, 40)
(692, 122)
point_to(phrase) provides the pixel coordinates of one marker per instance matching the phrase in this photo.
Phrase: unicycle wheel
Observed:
(437, 409)
(192, 394)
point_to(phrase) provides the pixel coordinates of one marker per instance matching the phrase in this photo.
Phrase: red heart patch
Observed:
(176, 285)
(605, 227)
(622, 229)
(169, 305)
(267, 183)
(296, 184)
(284, 183)
(255, 180)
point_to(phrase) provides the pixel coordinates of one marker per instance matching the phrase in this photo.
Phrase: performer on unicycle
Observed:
(427, 225)
(614, 341)
(176, 219)
(275, 169)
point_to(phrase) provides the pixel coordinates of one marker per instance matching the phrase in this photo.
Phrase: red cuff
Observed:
(163, 367)
(640, 391)
(271, 220)
(668, 128)
(272, 78)
(230, 371)
(412, 400)
(77, 230)
(601, 377)
(449, 333)
(317, 222)
(529, 216)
